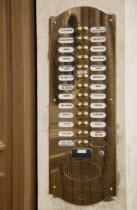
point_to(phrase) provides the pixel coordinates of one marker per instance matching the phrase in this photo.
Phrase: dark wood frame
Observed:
(18, 105)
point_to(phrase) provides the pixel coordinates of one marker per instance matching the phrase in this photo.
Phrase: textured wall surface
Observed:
(45, 9)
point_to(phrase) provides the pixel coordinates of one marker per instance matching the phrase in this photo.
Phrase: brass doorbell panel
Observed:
(82, 144)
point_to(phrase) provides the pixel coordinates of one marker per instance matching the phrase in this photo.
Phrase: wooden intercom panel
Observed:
(82, 106)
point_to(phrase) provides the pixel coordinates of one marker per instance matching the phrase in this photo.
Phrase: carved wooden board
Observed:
(82, 106)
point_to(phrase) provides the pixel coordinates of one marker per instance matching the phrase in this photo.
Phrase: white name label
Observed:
(97, 67)
(98, 105)
(66, 105)
(98, 96)
(66, 133)
(98, 58)
(66, 68)
(97, 133)
(65, 143)
(81, 151)
(66, 115)
(66, 87)
(66, 40)
(66, 59)
(98, 77)
(82, 72)
(66, 124)
(98, 49)
(65, 96)
(97, 124)
(97, 86)
(100, 29)
(97, 114)
(66, 30)
(66, 49)
(98, 39)
(66, 77)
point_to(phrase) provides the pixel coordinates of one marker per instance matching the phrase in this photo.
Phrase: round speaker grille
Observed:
(81, 171)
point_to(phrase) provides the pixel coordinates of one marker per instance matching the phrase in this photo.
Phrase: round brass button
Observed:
(82, 95)
(79, 105)
(84, 38)
(85, 114)
(82, 114)
(79, 67)
(79, 123)
(85, 29)
(79, 29)
(85, 76)
(85, 85)
(79, 86)
(79, 39)
(79, 143)
(85, 133)
(85, 67)
(85, 142)
(79, 133)
(79, 57)
(79, 48)
(85, 104)
(79, 76)
(85, 48)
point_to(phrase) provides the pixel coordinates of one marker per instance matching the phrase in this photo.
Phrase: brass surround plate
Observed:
(104, 185)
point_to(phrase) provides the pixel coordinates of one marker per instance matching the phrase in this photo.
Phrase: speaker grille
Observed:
(81, 171)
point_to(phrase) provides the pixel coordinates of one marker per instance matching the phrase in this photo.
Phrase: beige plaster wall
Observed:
(45, 9)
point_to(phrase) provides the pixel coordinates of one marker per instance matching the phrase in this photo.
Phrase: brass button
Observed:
(79, 39)
(84, 38)
(79, 123)
(85, 104)
(79, 76)
(85, 133)
(85, 67)
(79, 48)
(85, 76)
(79, 29)
(79, 143)
(79, 133)
(79, 105)
(85, 85)
(85, 57)
(85, 29)
(79, 86)
(85, 114)
(79, 57)
(85, 142)
(85, 48)
(79, 67)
